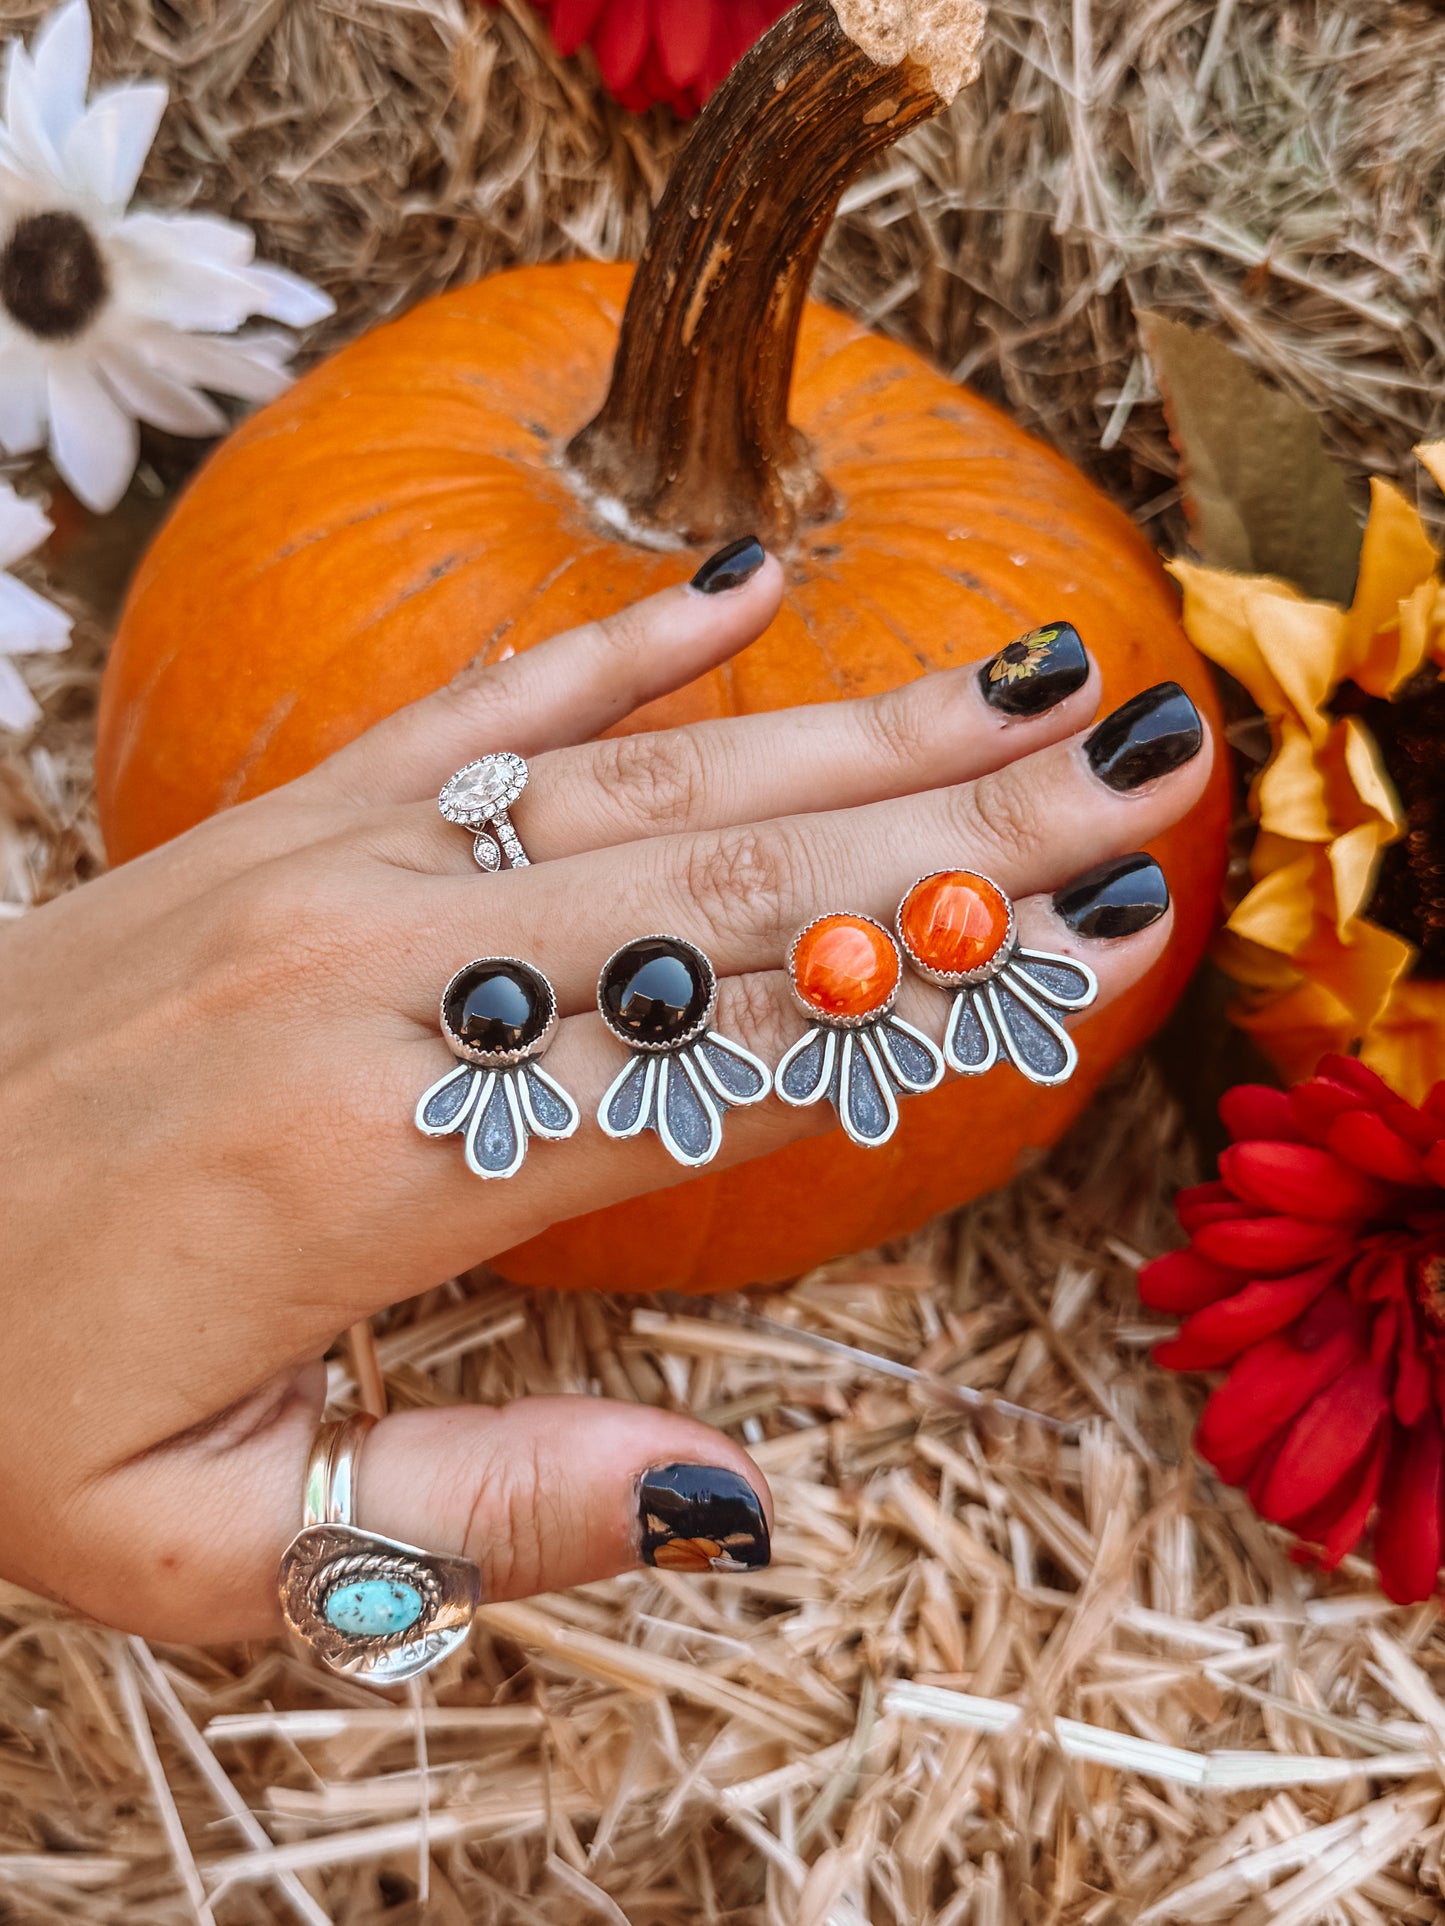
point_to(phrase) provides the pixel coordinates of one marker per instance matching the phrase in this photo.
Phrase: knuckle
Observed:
(470, 696)
(623, 633)
(999, 820)
(903, 727)
(745, 877)
(513, 1520)
(758, 1011)
(658, 780)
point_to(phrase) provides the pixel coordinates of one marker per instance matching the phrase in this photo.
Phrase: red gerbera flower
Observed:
(675, 51)
(1316, 1272)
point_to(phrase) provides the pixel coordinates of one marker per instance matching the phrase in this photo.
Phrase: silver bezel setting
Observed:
(475, 815)
(714, 1094)
(886, 1070)
(500, 1059)
(692, 1034)
(952, 980)
(322, 1558)
(812, 1012)
(979, 1013)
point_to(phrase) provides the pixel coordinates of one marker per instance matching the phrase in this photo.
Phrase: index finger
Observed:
(568, 689)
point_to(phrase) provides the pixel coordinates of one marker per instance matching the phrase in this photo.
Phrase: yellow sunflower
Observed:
(1339, 943)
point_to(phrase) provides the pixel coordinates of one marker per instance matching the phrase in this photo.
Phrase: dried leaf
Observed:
(1263, 497)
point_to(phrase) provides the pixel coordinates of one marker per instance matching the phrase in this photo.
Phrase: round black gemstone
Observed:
(495, 1006)
(52, 275)
(656, 992)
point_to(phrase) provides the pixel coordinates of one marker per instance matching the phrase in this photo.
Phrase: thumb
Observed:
(552, 1492)
(183, 1543)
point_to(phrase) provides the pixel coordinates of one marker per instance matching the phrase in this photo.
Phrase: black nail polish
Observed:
(1036, 672)
(700, 1518)
(739, 562)
(1151, 734)
(1116, 899)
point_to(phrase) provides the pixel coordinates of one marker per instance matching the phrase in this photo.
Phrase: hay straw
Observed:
(1151, 1709)
(674, 1752)
(1220, 1771)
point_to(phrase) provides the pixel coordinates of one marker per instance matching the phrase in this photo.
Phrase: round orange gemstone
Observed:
(845, 966)
(954, 922)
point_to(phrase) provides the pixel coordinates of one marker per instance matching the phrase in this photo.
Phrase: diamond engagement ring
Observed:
(479, 798)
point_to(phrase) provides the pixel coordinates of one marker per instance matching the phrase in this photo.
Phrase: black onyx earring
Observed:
(957, 930)
(845, 971)
(498, 1015)
(658, 995)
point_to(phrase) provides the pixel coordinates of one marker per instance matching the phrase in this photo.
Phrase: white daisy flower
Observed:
(109, 317)
(28, 623)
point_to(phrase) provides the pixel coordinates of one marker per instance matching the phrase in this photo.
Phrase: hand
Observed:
(213, 1056)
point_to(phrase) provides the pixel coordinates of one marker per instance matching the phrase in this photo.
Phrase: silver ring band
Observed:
(330, 1494)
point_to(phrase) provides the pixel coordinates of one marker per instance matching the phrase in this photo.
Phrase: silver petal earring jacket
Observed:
(957, 930)
(845, 971)
(479, 798)
(658, 995)
(498, 1014)
(370, 1608)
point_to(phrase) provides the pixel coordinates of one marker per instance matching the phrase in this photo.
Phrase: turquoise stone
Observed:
(374, 1608)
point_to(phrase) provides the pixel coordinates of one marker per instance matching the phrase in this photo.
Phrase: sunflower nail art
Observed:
(1037, 671)
(700, 1518)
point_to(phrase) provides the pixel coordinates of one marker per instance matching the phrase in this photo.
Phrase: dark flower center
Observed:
(1410, 734)
(52, 276)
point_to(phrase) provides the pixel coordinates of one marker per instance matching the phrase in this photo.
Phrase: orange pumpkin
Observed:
(458, 484)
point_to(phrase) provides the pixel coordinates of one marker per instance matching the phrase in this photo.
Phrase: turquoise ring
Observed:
(371, 1608)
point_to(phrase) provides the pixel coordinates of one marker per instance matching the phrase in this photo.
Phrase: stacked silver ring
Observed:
(371, 1608)
(480, 798)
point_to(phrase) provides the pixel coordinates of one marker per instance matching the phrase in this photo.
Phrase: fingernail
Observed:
(1116, 899)
(739, 562)
(700, 1518)
(1037, 671)
(1153, 733)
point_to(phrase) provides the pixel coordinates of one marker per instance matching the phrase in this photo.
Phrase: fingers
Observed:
(942, 729)
(1117, 922)
(742, 892)
(564, 690)
(543, 1494)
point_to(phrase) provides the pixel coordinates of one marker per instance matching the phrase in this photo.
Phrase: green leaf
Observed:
(1262, 496)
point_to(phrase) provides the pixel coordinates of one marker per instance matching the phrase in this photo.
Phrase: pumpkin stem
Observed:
(693, 439)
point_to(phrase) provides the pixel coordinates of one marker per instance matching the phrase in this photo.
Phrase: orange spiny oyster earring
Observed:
(845, 971)
(957, 930)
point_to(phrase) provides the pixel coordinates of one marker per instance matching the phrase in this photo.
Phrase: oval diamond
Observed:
(475, 794)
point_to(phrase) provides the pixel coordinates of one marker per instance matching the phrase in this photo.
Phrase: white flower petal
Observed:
(163, 283)
(174, 273)
(94, 441)
(18, 708)
(195, 237)
(60, 55)
(23, 410)
(24, 525)
(250, 368)
(155, 397)
(29, 625)
(32, 148)
(283, 296)
(106, 149)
